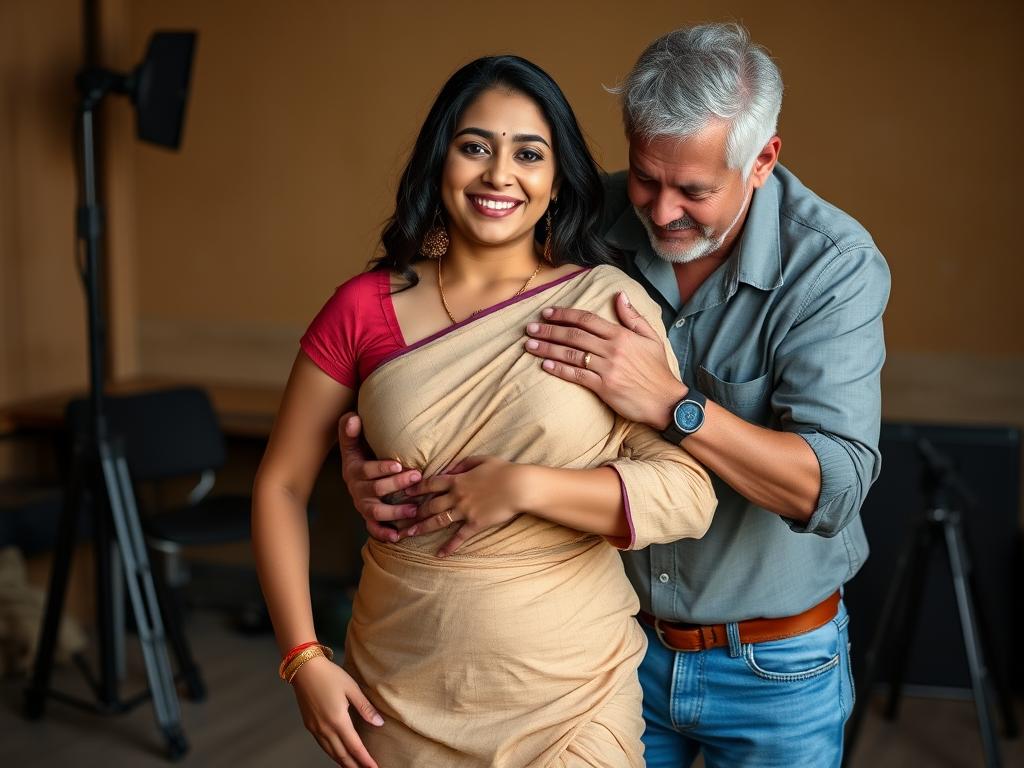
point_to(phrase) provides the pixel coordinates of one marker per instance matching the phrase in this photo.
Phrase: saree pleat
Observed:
(520, 649)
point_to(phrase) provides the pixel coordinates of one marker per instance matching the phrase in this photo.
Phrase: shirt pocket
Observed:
(750, 400)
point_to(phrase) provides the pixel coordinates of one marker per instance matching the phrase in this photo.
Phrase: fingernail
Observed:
(412, 531)
(410, 512)
(548, 365)
(547, 312)
(531, 344)
(393, 538)
(532, 328)
(415, 477)
(377, 719)
(626, 299)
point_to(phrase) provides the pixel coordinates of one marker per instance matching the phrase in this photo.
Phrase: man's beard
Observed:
(707, 241)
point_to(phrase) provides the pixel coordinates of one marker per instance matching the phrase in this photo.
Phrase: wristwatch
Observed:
(687, 417)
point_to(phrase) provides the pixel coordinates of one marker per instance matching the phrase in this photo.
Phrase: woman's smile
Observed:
(494, 206)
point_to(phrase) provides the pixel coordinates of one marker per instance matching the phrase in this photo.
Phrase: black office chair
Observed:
(171, 434)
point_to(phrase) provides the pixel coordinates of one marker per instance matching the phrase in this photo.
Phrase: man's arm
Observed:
(817, 468)
(627, 369)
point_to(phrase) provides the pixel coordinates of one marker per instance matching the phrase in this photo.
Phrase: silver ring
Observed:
(586, 361)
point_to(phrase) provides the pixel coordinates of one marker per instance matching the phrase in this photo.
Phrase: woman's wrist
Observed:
(528, 485)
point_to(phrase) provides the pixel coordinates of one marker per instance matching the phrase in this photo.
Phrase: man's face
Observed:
(691, 203)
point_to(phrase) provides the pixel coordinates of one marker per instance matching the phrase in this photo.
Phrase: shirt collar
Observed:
(757, 255)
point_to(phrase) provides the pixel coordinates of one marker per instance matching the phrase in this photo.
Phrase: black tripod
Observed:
(99, 474)
(939, 524)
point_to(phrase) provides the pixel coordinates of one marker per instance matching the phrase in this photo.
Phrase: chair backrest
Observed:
(165, 433)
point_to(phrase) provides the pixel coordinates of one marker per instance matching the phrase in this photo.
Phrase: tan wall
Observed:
(302, 112)
(42, 315)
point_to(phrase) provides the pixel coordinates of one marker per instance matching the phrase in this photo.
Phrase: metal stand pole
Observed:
(101, 466)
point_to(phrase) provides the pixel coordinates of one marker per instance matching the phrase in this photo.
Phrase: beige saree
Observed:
(521, 649)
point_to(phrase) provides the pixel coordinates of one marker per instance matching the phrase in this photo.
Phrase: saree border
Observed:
(478, 316)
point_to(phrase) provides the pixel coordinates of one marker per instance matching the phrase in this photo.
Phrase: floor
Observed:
(250, 719)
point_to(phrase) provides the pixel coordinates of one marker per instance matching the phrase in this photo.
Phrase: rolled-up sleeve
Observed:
(828, 382)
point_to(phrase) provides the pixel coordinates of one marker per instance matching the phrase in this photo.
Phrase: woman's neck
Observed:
(481, 266)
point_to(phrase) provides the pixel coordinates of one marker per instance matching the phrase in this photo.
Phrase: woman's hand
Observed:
(480, 492)
(325, 692)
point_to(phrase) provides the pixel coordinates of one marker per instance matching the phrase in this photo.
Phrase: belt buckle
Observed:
(665, 644)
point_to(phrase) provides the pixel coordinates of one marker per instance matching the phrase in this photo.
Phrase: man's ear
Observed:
(765, 161)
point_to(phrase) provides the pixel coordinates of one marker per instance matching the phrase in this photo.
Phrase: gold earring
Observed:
(435, 241)
(547, 239)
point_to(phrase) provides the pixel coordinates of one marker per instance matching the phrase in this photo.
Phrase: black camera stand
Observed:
(100, 483)
(939, 524)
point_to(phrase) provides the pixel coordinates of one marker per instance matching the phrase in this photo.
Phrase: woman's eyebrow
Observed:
(519, 138)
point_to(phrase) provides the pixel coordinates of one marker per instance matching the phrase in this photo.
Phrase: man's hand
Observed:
(369, 481)
(627, 367)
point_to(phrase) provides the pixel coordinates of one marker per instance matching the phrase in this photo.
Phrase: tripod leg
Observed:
(906, 627)
(117, 603)
(63, 552)
(179, 642)
(894, 598)
(975, 659)
(143, 596)
(997, 674)
(107, 690)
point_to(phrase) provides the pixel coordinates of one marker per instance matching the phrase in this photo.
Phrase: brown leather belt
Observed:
(677, 636)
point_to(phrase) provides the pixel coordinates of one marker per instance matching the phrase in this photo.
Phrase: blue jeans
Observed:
(780, 703)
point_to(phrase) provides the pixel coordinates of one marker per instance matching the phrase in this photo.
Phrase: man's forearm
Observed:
(775, 470)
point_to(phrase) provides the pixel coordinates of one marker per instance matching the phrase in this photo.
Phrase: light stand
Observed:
(940, 524)
(99, 479)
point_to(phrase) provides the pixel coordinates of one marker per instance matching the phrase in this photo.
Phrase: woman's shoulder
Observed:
(607, 278)
(357, 291)
(364, 283)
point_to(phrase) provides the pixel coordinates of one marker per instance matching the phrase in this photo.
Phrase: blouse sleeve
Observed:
(331, 341)
(667, 493)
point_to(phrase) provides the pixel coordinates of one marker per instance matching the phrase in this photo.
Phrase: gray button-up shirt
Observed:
(787, 333)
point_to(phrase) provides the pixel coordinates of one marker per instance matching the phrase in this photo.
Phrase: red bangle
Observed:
(293, 653)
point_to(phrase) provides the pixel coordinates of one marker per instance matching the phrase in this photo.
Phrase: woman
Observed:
(482, 635)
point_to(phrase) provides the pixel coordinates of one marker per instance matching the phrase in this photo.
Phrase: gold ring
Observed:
(586, 361)
(450, 518)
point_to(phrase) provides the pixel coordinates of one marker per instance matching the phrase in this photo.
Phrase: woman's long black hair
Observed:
(577, 214)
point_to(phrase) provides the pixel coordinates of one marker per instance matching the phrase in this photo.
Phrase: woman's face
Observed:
(499, 174)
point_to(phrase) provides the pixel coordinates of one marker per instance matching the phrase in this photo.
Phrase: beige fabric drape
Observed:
(520, 649)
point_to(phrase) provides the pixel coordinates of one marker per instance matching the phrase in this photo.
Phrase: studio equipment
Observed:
(99, 483)
(939, 582)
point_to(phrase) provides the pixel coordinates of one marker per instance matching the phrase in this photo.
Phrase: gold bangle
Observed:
(310, 653)
(298, 661)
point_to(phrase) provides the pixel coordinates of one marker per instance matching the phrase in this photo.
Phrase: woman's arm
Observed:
(654, 492)
(485, 491)
(302, 435)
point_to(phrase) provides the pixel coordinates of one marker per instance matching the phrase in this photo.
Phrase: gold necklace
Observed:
(444, 301)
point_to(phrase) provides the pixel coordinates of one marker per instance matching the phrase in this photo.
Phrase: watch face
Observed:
(689, 416)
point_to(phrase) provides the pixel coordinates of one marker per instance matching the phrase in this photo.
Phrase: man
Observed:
(773, 301)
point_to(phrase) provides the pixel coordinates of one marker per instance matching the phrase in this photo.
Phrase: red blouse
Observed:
(356, 329)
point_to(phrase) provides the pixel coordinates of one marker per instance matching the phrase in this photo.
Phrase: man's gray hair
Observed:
(693, 75)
